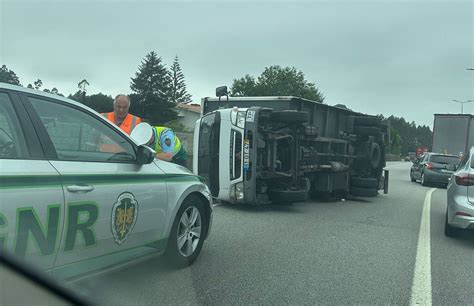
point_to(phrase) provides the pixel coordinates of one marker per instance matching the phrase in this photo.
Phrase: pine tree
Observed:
(8, 76)
(151, 88)
(179, 93)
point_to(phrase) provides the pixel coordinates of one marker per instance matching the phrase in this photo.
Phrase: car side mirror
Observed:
(145, 155)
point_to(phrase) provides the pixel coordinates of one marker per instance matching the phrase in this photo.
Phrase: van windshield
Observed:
(208, 166)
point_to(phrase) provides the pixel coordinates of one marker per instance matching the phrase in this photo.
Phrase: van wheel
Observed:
(187, 233)
(289, 116)
(364, 182)
(364, 192)
(287, 196)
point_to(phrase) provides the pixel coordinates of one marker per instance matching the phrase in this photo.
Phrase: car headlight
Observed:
(233, 115)
(237, 192)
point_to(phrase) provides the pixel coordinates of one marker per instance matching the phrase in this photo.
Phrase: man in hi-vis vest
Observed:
(120, 116)
(161, 139)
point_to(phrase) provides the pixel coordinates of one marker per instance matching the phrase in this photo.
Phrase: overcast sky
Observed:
(406, 58)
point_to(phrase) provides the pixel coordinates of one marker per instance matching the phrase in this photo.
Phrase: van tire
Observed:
(289, 116)
(287, 196)
(364, 192)
(364, 182)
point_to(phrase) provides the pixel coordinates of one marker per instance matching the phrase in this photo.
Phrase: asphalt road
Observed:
(348, 252)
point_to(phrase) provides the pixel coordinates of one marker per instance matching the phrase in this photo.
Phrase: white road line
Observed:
(421, 287)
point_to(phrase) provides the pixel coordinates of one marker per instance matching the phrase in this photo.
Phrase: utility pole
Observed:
(82, 86)
(462, 104)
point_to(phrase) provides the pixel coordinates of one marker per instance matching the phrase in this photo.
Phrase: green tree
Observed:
(277, 81)
(151, 91)
(8, 76)
(55, 91)
(411, 135)
(396, 142)
(37, 84)
(178, 93)
(82, 85)
(246, 86)
(99, 102)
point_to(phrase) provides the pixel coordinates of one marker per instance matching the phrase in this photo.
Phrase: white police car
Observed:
(76, 193)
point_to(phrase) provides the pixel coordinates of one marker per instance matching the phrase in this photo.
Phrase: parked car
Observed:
(460, 208)
(66, 200)
(411, 156)
(433, 168)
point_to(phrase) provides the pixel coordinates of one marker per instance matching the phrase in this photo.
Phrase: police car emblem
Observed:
(124, 216)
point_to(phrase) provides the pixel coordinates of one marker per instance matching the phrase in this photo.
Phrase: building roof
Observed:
(196, 108)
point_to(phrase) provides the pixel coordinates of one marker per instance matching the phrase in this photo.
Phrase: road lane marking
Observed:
(421, 286)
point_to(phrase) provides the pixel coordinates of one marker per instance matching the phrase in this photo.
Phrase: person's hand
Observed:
(165, 156)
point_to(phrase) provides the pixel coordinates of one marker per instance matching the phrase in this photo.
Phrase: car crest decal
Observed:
(124, 216)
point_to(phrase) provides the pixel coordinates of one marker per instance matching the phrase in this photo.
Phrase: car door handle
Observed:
(80, 188)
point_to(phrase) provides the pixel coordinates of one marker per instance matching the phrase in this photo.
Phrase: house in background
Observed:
(188, 114)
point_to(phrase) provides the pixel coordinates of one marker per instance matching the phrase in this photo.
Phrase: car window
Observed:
(442, 159)
(12, 142)
(77, 135)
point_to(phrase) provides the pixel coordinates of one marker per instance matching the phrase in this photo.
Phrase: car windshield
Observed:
(222, 152)
(441, 159)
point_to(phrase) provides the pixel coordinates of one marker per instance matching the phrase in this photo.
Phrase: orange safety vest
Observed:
(128, 123)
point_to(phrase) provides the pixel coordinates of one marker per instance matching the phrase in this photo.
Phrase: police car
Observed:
(77, 193)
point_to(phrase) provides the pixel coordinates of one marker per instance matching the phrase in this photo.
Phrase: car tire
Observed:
(450, 231)
(290, 116)
(364, 182)
(412, 179)
(366, 130)
(364, 192)
(181, 254)
(423, 180)
(367, 121)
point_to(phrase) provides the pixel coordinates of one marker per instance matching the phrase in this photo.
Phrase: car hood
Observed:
(171, 168)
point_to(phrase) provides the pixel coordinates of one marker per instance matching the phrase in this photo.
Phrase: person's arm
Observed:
(164, 156)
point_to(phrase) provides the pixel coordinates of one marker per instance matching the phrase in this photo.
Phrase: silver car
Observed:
(460, 210)
(77, 193)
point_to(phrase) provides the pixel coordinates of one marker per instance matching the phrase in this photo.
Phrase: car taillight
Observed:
(464, 179)
(429, 166)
